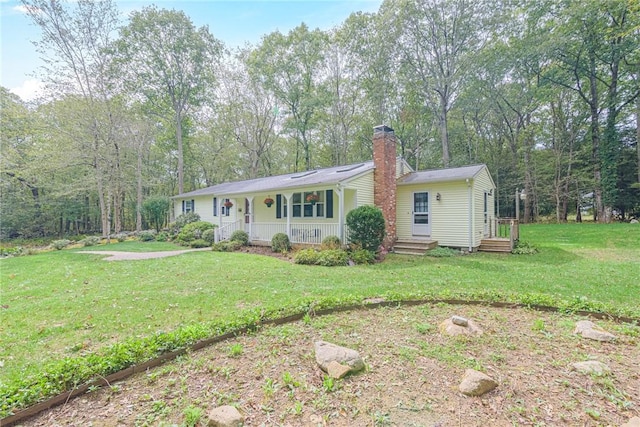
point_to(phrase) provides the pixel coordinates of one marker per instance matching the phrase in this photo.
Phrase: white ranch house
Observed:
(451, 207)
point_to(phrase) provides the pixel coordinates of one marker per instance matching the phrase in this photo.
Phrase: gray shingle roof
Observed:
(441, 175)
(326, 176)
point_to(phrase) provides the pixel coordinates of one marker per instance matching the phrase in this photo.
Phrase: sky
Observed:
(234, 22)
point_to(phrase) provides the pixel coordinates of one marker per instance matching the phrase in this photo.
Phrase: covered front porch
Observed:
(261, 233)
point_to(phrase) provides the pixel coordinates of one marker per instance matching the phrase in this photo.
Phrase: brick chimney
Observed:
(384, 179)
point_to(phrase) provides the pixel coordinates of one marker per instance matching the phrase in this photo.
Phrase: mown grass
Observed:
(64, 304)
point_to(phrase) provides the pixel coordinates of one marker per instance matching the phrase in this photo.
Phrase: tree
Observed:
(156, 210)
(170, 64)
(289, 65)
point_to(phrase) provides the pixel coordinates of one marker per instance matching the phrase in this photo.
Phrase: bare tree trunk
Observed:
(180, 154)
(444, 132)
(139, 189)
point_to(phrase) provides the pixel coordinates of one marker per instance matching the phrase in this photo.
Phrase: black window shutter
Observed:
(329, 203)
(278, 206)
(183, 206)
(193, 205)
(215, 206)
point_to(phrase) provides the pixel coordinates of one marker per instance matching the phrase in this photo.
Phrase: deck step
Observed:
(414, 247)
(495, 245)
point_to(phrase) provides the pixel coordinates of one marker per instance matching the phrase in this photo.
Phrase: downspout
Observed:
(470, 216)
(340, 193)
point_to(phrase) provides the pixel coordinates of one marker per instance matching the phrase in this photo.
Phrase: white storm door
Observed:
(421, 217)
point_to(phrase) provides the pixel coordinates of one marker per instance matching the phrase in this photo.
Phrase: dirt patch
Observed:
(411, 378)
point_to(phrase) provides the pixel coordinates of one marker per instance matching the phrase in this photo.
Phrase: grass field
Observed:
(63, 304)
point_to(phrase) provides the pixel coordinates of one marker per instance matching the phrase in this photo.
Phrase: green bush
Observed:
(363, 256)
(333, 257)
(121, 237)
(181, 221)
(280, 243)
(366, 227)
(209, 235)
(90, 241)
(331, 242)
(226, 246)
(524, 248)
(307, 257)
(193, 231)
(60, 244)
(442, 252)
(162, 236)
(199, 243)
(147, 235)
(240, 236)
(11, 252)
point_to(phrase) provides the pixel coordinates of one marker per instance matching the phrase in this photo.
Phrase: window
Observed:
(224, 211)
(188, 206)
(301, 208)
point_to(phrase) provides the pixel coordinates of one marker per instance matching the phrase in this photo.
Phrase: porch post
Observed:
(250, 213)
(340, 193)
(289, 196)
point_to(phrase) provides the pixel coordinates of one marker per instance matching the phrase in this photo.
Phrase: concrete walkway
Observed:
(130, 256)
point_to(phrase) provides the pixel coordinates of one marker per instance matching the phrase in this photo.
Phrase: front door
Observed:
(421, 220)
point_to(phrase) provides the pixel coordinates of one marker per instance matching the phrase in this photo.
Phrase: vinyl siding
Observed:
(363, 187)
(449, 216)
(481, 184)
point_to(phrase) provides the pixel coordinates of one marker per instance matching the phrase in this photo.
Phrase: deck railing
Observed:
(225, 232)
(506, 228)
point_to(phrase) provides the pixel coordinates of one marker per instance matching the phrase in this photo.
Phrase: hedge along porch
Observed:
(454, 206)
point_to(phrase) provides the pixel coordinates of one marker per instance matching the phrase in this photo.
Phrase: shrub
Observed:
(366, 227)
(209, 235)
(193, 231)
(240, 236)
(11, 252)
(90, 241)
(307, 257)
(121, 237)
(331, 242)
(333, 257)
(226, 246)
(280, 243)
(182, 220)
(199, 243)
(60, 244)
(363, 256)
(163, 236)
(147, 235)
(442, 252)
(524, 248)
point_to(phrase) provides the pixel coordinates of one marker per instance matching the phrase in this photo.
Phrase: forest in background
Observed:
(546, 93)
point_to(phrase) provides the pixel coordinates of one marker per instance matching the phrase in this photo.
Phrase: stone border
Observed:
(64, 397)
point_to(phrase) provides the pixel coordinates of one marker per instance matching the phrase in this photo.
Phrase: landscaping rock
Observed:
(633, 221)
(449, 327)
(225, 416)
(460, 321)
(337, 370)
(633, 422)
(327, 352)
(592, 331)
(476, 383)
(591, 367)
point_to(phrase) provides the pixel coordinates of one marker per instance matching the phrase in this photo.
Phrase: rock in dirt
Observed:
(225, 416)
(590, 330)
(449, 327)
(327, 352)
(460, 321)
(633, 422)
(591, 367)
(337, 370)
(476, 383)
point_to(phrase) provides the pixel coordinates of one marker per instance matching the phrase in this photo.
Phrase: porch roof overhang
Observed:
(327, 176)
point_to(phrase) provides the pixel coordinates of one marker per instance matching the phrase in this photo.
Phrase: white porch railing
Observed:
(225, 232)
(306, 233)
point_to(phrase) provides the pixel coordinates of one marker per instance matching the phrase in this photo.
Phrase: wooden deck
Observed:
(504, 234)
(495, 244)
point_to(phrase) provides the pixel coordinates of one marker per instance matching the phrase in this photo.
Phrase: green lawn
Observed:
(64, 304)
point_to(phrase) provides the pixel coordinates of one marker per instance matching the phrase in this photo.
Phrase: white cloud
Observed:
(29, 90)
